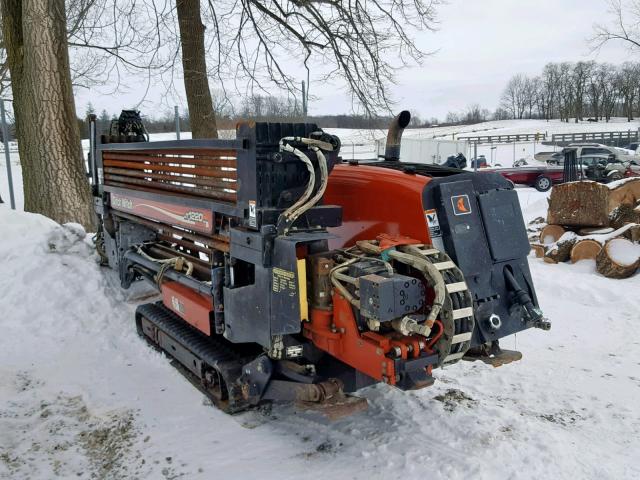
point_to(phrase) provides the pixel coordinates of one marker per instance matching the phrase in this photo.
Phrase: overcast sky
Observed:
(479, 45)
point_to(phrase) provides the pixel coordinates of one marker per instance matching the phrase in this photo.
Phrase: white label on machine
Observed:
(252, 214)
(433, 223)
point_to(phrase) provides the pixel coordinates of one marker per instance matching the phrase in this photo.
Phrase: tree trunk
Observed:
(54, 179)
(617, 259)
(196, 83)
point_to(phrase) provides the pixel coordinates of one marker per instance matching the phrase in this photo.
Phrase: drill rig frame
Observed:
(275, 283)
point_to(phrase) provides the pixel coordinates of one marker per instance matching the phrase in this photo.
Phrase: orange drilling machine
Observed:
(288, 274)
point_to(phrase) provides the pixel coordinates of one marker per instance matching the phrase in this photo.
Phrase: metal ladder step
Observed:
(461, 337)
(456, 287)
(462, 313)
(444, 265)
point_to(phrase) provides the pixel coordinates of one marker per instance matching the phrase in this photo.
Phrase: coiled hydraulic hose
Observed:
(304, 203)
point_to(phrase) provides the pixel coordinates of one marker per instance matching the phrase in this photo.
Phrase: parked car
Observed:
(542, 178)
(584, 149)
(632, 146)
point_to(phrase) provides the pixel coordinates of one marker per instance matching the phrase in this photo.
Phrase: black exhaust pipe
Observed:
(394, 136)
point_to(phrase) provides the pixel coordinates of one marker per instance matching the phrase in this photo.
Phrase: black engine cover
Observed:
(483, 231)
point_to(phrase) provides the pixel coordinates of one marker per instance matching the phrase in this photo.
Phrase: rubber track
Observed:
(209, 349)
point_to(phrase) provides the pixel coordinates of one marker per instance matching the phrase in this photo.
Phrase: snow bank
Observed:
(81, 396)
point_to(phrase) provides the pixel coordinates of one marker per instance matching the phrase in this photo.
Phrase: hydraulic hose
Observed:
(341, 288)
(312, 178)
(304, 203)
(433, 276)
(324, 176)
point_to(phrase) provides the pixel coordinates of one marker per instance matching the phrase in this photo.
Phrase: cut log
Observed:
(619, 258)
(585, 250)
(561, 250)
(633, 233)
(622, 215)
(551, 234)
(538, 249)
(625, 191)
(589, 204)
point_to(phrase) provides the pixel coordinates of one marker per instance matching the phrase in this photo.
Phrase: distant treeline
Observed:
(578, 91)
(258, 108)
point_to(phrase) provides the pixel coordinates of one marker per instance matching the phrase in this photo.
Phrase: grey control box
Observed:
(386, 298)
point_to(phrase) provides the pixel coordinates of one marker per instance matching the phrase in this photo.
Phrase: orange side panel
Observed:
(376, 200)
(365, 353)
(192, 307)
(336, 332)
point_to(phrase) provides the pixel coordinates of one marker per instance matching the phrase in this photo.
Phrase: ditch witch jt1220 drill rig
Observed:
(287, 274)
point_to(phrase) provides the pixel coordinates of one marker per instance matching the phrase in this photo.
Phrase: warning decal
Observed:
(284, 281)
(461, 204)
(252, 214)
(433, 223)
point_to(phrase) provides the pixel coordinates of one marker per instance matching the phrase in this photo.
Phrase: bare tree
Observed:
(529, 95)
(253, 44)
(476, 114)
(626, 82)
(580, 76)
(607, 86)
(501, 114)
(624, 25)
(548, 90)
(513, 97)
(452, 117)
(112, 39)
(566, 91)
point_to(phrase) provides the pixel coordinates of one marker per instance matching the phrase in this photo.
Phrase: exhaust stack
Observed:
(394, 136)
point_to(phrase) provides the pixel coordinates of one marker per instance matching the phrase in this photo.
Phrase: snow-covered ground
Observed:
(81, 396)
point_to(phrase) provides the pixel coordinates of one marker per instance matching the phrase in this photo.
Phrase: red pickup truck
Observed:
(542, 178)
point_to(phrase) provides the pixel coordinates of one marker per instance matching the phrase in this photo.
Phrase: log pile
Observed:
(592, 221)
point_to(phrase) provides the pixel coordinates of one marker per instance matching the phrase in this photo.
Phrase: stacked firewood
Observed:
(589, 220)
